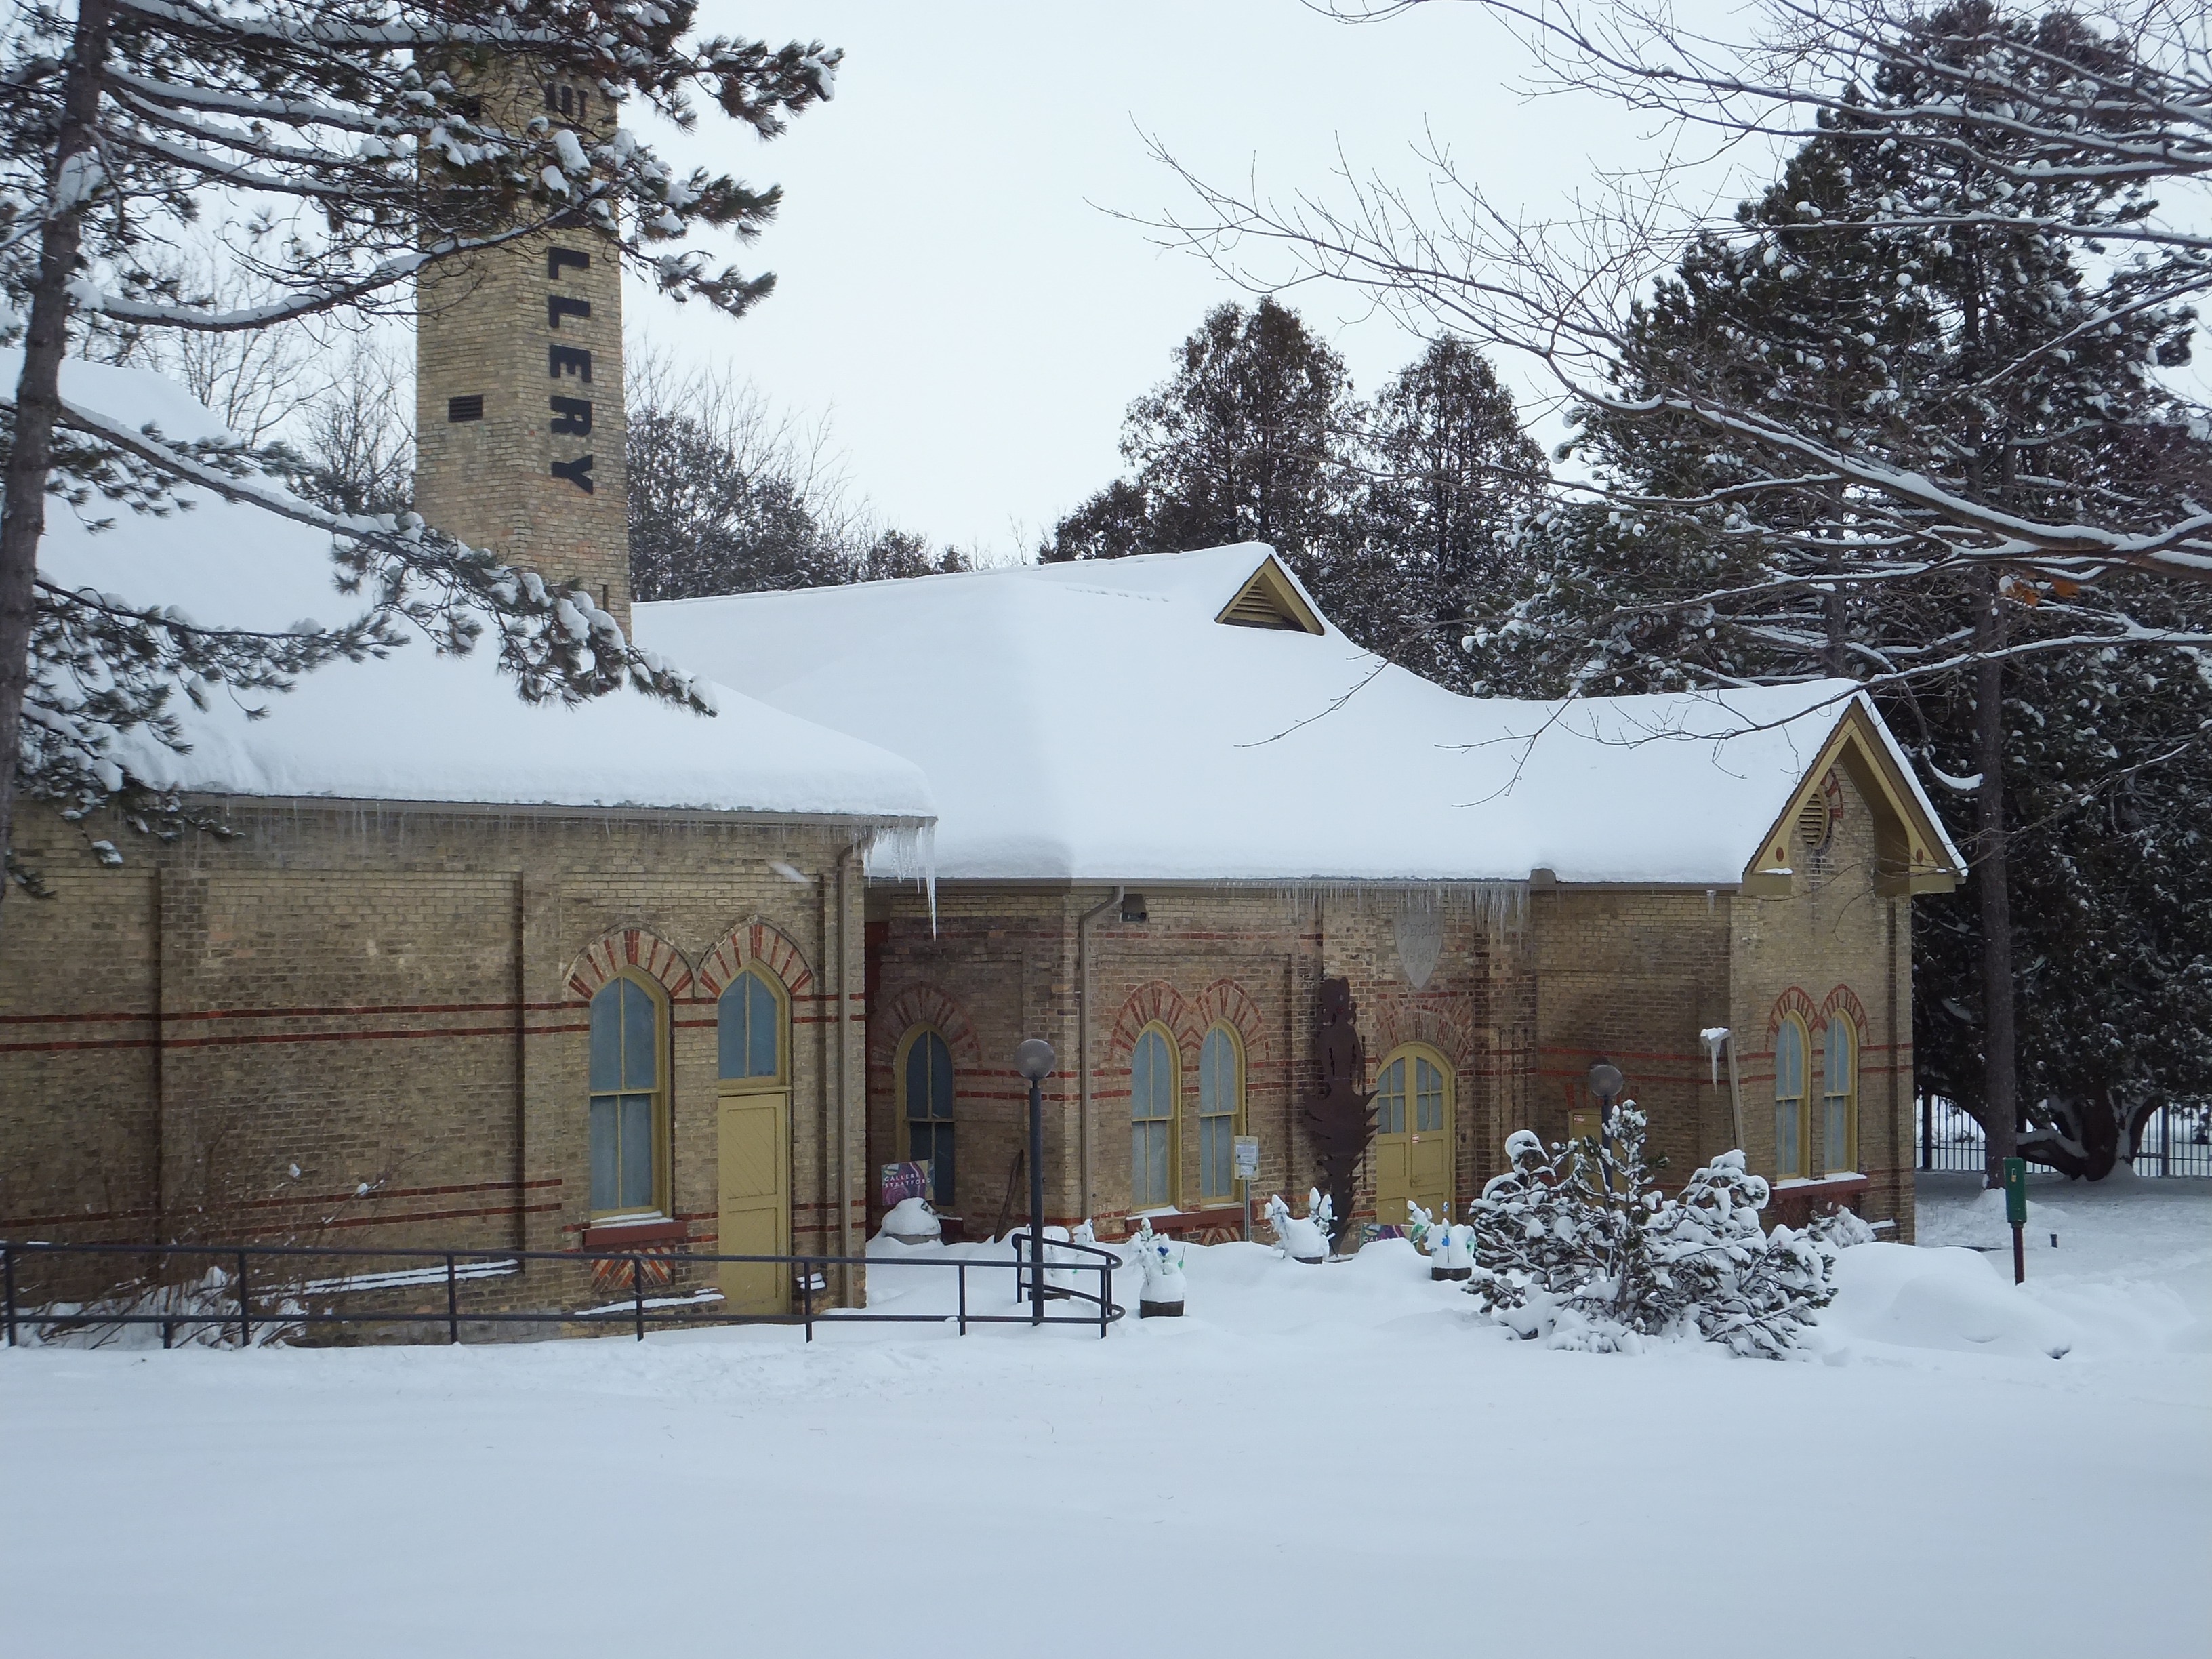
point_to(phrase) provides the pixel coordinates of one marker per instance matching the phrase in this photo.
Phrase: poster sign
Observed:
(905, 1180)
(1247, 1157)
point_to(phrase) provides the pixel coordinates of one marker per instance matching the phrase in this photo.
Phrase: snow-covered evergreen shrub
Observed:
(1578, 1247)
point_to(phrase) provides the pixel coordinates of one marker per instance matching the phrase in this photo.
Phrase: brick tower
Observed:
(519, 382)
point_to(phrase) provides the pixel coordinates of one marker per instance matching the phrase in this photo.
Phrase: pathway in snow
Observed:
(1317, 1458)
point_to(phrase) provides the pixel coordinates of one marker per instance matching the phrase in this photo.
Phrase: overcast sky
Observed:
(952, 292)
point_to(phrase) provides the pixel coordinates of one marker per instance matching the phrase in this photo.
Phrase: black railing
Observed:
(287, 1297)
(2177, 1141)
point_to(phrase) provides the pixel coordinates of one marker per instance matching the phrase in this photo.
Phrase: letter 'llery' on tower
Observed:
(519, 377)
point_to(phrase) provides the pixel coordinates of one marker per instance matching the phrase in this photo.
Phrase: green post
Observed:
(2016, 1190)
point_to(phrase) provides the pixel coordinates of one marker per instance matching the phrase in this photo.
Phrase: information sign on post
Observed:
(1247, 1157)
(2016, 1191)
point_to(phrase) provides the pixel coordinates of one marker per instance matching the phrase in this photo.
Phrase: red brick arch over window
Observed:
(1226, 1002)
(1792, 1001)
(1846, 1001)
(625, 948)
(925, 1004)
(1162, 1003)
(755, 945)
(1394, 1025)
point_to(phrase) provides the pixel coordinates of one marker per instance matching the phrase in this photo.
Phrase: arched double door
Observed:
(1412, 1145)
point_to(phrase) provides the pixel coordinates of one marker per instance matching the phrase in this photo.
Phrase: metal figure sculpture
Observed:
(1340, 1114)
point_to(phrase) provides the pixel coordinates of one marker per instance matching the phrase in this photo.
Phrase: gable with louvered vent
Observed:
(1268, 600)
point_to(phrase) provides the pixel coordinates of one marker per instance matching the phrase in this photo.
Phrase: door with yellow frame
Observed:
(1413, 1148)
(753, 1104)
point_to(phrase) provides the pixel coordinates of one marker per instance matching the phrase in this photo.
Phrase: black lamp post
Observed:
(1035, 1059)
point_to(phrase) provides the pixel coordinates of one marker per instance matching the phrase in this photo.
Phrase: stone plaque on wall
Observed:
(1420, 943)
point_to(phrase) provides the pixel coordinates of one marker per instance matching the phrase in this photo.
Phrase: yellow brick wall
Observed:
(397, 1000)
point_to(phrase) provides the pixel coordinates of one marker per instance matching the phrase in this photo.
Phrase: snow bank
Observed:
(1918, 1298)
(417, 726)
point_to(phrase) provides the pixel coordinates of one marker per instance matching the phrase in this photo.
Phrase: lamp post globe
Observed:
(1605, 1082)
(1035, 1059)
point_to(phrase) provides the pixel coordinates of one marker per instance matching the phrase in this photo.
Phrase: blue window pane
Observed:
(640, 1053)
(1390, 1100)
(606, 1038)
(636, 1153)
(760, 1028)
(1842, 1155)
(1789, 1061)
(941, 1077)
(1840, 1057)
(606, 1155)
(1785, 1138)
(1429, 1098)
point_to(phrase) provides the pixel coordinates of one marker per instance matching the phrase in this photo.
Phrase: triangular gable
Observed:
(1270, 599)
(1912, 853)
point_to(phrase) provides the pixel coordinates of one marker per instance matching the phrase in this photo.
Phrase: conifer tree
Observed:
(1983, 355)
(345, 146)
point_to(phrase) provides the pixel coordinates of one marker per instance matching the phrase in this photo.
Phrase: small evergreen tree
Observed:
(1578, 1246)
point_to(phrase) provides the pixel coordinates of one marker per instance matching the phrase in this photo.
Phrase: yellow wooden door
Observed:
(1412, 1135)
(755, 1201)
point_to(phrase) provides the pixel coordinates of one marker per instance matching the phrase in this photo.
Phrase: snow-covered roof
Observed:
(1098, 722)
(417, 726)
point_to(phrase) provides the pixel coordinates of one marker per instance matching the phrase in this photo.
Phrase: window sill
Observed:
(645, 1230)
(1842, 1180)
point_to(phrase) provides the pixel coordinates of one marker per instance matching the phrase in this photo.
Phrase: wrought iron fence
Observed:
(261, 1290)
(2176, 1141)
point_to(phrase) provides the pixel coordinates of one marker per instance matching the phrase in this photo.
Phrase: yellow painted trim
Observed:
(1174, 1119)
(1235, 1112)
(756, 1085)
(1804, 1099)
(1909, 844)
(664, 1063)
(1857, 1038)
(1435, 1056)
(1270, 586)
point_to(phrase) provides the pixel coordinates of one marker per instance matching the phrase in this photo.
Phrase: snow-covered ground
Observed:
(1336, 1457)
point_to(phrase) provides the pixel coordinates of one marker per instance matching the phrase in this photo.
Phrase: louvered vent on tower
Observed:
(1268, 600)
(1813, 823)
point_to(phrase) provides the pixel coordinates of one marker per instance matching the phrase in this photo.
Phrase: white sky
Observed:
(951, 293)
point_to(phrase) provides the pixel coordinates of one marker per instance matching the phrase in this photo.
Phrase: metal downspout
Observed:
(1083, 1047)
(844, 1076)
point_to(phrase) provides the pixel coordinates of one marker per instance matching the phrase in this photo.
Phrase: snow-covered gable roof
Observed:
(417, 726)
(1100, 722)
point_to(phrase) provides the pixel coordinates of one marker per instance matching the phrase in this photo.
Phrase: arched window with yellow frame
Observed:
(1839, 1094)
(1155, 1117)
(1412, 1144)
(923, 1067)
(1220, 1112)
(628, 1084)
(1793, 1114)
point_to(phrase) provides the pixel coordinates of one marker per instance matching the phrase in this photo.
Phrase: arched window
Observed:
(1793, 1127)
(1220, 1110)
(1412, 1145)
(926, 1084)
(629, 1097)
(1154, 1085)
(1840, 1092)
(749, 1031)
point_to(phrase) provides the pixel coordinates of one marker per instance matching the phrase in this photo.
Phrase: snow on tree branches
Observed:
(348, 149)
(1576, 1247)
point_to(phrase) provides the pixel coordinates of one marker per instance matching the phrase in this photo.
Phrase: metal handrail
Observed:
(641, 1312)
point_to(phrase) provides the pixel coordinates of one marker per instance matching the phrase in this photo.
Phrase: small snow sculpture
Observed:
(1449, 1246)
(911, 1221)
(1161, 1260)
(1303, 1238)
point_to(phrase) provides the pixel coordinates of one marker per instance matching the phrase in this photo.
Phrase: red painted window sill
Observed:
(626, 1235)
